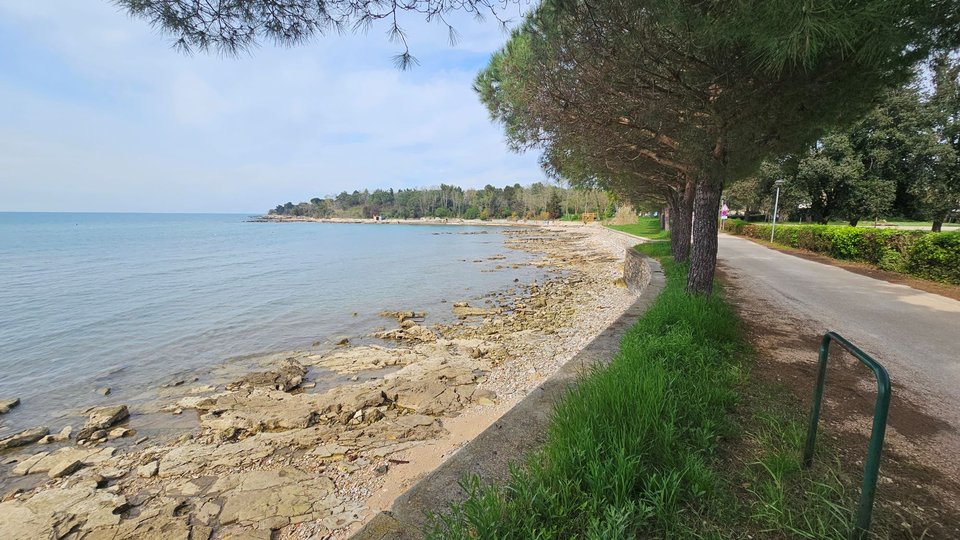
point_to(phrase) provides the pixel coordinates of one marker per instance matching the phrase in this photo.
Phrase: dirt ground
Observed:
(918, 495)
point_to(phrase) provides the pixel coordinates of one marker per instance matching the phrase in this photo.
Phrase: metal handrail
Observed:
(871, 469)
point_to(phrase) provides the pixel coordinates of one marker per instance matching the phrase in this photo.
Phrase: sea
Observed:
(136, 301)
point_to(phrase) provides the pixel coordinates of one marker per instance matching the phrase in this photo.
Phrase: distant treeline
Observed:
(536, 201)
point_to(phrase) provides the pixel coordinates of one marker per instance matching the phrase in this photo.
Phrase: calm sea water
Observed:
(132, 300)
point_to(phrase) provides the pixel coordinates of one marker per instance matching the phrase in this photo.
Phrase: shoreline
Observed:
(273, 218)
(270, 456)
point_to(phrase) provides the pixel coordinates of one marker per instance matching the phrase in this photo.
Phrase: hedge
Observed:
(929, 255)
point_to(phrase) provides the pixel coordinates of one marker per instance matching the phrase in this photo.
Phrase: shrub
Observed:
(936, 256)
(924, 254)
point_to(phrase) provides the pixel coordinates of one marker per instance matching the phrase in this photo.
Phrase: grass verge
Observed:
(647, 227)
(669, 440)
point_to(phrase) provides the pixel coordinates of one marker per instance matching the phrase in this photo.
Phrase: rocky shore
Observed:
(270, 456)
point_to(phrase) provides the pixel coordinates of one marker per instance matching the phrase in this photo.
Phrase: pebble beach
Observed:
(281, 452)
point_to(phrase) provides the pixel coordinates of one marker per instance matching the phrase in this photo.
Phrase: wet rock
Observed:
(119, 432)
(193, 402)
(343, 341)
(64, 434)
(105, 391)
(23, 438)
(100, 419)
(401, 316)
(285, 377)
(7, 404)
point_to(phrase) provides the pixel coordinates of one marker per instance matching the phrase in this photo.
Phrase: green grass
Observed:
(663, 443)
(647, 227)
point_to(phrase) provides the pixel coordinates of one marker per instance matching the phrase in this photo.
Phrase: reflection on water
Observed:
(136, 301)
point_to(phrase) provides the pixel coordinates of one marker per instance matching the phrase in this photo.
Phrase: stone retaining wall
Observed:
(518, 432)
(636, 270)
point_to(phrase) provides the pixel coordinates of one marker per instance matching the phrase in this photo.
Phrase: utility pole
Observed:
(776, 203)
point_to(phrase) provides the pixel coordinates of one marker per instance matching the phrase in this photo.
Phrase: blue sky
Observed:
(99, 113)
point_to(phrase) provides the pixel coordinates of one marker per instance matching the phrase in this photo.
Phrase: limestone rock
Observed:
(270, 498)
(401, 316)
(119, 432)
(193, 458)
(64, 434)
(247, 413)
(467, 311)
(484, 397)
(105, 391)
(23, 467)
(285, 377)
(47, 461)
(411, 332)
(363, 358)
(53, 513)
(23, 438)
(149, 470)
(7, 404)
(64, 468)
(101, 418)
(112, 473)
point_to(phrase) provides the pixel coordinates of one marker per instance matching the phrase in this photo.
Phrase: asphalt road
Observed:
(914, 334)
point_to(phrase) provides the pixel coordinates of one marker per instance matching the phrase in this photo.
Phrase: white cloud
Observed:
(110, 118)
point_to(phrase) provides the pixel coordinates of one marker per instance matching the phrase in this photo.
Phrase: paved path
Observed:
(914, 334)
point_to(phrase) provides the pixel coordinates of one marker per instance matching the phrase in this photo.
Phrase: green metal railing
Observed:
(871, 469)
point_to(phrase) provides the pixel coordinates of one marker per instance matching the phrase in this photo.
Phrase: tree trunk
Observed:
(854, 221)
(938, 223)
(664, 220)
(680, 235)
(703, 253)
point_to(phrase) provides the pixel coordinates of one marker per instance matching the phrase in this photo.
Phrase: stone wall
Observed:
(636, 270)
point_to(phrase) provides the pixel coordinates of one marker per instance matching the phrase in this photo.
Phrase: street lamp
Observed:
(776, 203)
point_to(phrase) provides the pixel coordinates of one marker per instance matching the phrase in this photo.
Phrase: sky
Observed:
(98, 113)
